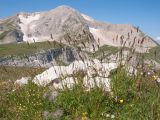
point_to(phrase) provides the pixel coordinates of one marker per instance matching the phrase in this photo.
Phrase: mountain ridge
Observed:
(56, 23)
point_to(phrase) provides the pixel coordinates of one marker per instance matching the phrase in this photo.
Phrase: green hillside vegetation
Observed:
(132, 98)
(154, 54)
(13, 73)
(105, 50)
(26, 49)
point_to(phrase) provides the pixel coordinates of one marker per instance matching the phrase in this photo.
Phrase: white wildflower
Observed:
(112, 116)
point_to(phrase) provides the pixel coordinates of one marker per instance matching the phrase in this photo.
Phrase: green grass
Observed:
(154, 54)
(7, 77)
(23, 104)
(26, 49)
(13, 73)
(105, 50)
(140, 95)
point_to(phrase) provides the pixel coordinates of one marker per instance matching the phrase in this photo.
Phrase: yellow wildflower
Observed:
(121, 101)
(85, 113)
(149, 65)
(84, 118)
(155, 77)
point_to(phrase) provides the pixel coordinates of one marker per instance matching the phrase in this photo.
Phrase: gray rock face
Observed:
(53, 115)
(51, 96)
(43, 58)
(61, 20)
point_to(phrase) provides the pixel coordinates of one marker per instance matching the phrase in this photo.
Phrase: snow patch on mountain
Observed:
(87, 18)
(104, 36)
(26, 26)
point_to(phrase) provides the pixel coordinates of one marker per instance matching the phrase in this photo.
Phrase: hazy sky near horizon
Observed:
(142, 13)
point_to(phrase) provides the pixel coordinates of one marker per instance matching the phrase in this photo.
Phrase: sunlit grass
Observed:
(21, 49)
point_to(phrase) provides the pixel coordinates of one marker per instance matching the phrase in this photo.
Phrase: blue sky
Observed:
(142, 13)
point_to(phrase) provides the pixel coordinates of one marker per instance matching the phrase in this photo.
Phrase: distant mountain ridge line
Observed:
(54, 24)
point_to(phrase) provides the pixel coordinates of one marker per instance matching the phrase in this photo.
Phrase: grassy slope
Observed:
(13, 73)
(26, 49)
(106, 49)
(103, 50)
(154, 54)
(9, 74)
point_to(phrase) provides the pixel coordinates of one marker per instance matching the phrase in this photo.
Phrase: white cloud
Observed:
(158, 38)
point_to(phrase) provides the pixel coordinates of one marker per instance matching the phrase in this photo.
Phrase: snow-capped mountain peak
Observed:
(53, 25)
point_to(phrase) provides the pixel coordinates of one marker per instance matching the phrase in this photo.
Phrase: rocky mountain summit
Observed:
(84, 38)
(67, 25)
